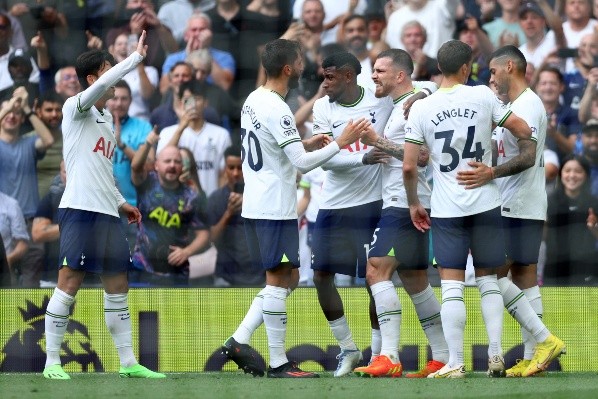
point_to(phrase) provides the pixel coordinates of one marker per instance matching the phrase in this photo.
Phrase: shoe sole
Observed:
(256, 372)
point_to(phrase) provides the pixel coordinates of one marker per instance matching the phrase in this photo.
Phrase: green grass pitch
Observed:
(237, 385)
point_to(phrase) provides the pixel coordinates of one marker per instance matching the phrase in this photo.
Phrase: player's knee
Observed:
(323, 279)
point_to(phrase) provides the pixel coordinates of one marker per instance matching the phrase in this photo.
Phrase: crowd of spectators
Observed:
(204, 59)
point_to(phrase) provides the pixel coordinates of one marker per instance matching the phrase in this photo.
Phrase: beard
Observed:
(294, 82)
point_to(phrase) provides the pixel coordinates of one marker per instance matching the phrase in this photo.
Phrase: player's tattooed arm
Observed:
(398, 150)
(526, 159)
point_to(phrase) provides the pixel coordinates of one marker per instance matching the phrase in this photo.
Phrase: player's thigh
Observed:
(522, 240)
(487, 239)
(450, 242)
(272, 242)
(116, 257)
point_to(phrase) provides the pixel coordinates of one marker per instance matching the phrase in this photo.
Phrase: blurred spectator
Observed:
(6, 50)
(20, 70)
(18, 38)
(413, 38)
(189, 177)
(143, 80)
(171, 230)
(578, 74)
(4, 269)
(572, 227)
(226, 23)
(49, 110)
(229, 111)
(45, 228)
(588, 105)
(577, 21)
(233, 266)
(66, 82)
(18, 158)
(506, 29)
(355, 39)
(535, 17)
(334, 12)
(437, 16)
(139, 15)
(37, 16)
(551, 170)
(589, 139)
(207, 141)
(175, 13)
(130, 133)
(13, 231)
(167, 114)
(376, 25)
(198, 35)
(469, 32)
(563, 125)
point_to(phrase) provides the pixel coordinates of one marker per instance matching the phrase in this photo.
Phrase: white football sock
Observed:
(56, 322)
(275, 320)
(342, 333)
(452, 313)
(427, 308)
(253, 319)
(376, 343)
(492, 312)
(388, 309)
(519, 307)
(535, 301)
(118, 320)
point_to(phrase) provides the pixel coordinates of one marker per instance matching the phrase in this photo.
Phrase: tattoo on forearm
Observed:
(523, 161)
(393, 149)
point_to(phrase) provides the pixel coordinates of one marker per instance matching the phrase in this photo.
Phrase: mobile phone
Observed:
(595, 61)
(190, 103)
(239, 187)
(566, 53)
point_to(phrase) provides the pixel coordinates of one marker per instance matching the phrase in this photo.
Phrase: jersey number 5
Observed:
(447, 136)
(254, 160)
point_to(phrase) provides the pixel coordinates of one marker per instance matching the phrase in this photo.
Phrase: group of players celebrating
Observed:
(377, 207)
(374, 215)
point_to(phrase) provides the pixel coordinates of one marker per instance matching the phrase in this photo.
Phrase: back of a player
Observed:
(267, 126)
(456, 124)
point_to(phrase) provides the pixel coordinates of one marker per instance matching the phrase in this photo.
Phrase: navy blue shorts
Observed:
(522, 239)
(397, 236)
(92, 242)
(482, 233)
(341, 238)
(272, 242)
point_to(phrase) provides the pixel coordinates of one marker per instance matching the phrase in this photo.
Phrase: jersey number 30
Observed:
(253, 153)
(468, 151)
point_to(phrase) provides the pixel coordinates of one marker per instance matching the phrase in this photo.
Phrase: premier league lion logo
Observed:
(24, 349)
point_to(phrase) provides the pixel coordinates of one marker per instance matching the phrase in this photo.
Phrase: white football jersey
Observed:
(348, 181)
(207, 146)
(267, 126)
(524, 194)
(456, 124)
(88, 146)
(393, 188)
(314, 179)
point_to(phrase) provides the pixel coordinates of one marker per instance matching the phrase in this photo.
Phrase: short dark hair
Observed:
(196, 88)
(552, 69)
(400, 58)
(342, 60)
(50, 96)
(90, 62)
(232, 151)
(331, 48)
(452, 55)
(514, 54)
(278, 53)
(352, 17)
(123, 85)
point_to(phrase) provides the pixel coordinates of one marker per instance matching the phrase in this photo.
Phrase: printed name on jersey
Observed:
(247, 110)
(107, 151)
(286, 122)
(453, 113)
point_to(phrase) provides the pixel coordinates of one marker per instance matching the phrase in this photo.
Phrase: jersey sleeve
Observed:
(531, 116)
(321, 121)
(282, 126)
(414, 128)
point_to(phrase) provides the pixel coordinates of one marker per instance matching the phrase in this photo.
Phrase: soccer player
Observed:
(521, 180)
(92, 238)
(456, 124)
(351, 196)
(271, 151)
(397, 244)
